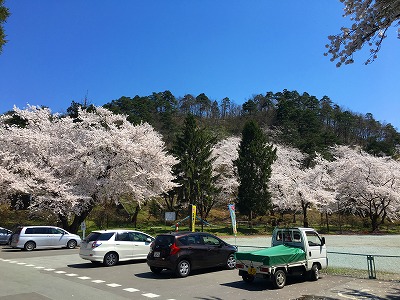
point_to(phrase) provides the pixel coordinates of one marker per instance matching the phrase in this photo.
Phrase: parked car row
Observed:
(5, 236)
(180, 252)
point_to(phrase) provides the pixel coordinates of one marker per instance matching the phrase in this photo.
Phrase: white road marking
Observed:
(113, 284)
(131, 290)
(98, 281)
(151, 295)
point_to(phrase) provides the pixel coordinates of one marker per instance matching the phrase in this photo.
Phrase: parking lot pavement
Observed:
(61, 274)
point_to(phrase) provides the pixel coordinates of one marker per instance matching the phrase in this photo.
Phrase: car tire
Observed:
(313, 274)
(279, 279)
(183, 268)
(71, 244)
(248, 278)
(231, 262)
(156, 270)
(29, 246)
(110, 259)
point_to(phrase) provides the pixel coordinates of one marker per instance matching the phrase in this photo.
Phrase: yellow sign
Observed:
(193, 217)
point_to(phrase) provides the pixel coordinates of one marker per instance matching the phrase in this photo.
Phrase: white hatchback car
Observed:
(114, 245)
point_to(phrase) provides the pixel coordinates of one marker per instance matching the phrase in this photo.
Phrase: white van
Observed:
(39, 237)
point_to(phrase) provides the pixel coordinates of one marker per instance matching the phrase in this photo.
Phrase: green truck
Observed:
(293, 251)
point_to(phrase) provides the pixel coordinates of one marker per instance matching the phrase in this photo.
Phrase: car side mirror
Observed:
(149, 240)
(323, 241)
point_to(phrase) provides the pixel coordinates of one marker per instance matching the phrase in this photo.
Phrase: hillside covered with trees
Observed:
(278, 153)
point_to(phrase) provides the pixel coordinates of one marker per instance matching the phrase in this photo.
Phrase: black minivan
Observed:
(182, 252)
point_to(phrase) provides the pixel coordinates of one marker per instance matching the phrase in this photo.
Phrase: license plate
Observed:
(252, 271)
(156, 254)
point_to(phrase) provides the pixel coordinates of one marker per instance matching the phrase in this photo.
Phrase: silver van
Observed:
(39, 237)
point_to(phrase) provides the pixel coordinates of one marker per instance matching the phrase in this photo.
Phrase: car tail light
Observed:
(239, 266)
(95, 244)
(264, 269)
(174, 249)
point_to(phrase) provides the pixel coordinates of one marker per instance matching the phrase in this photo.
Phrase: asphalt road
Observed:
(62, 274)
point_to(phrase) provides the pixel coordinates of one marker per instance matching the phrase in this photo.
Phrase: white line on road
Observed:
(151, 295)
(131, 290)
(71, 274)
(98, 281)
(113, 284)
(84, 277)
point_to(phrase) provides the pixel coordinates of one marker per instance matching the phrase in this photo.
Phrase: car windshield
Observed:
(97, 236)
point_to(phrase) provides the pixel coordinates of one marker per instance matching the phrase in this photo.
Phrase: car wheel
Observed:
(231, 262)
(71, 244)
(183, 268)
(279, 279)
(110, 259)
(314, 273)
(248, 278)
(156, 270)
(29, 246)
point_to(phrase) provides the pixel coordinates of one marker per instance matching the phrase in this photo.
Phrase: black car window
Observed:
(191, 240)
(97, 236)
(123, 236)
(210, 240)
(138, 237)
(164, 240)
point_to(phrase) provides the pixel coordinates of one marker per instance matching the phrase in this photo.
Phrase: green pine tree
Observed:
(194, 170)
(254, 163)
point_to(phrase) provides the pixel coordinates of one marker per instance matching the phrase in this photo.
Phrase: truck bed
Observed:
(277, 255)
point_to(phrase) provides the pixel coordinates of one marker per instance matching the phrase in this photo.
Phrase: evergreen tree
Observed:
(254, 163)
(193, 149)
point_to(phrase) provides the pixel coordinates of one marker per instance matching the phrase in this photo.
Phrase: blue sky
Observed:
(60, 51)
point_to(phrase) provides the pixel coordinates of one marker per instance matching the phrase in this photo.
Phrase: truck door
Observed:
(315, 250)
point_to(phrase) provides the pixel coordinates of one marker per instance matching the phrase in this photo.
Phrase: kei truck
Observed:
(293, 251)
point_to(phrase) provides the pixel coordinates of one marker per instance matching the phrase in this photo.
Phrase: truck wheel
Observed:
(279, 279)
(248, 278)
(314, 273)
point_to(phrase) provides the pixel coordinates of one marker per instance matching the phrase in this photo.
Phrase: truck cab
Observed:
(305, 238)
(293, 251)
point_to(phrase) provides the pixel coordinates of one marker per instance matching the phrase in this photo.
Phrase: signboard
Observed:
(170, 216)
(193, 218)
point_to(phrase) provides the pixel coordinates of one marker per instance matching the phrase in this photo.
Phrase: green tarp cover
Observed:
(277, 255)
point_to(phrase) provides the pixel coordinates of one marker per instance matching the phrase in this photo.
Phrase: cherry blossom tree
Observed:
(225, 152)
(295, 188)
(71, 165)
(368, 186)
(371, 21)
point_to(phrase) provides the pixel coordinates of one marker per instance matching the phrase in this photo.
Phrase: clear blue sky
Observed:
(59, 51)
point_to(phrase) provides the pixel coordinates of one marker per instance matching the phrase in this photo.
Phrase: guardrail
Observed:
(371, 267)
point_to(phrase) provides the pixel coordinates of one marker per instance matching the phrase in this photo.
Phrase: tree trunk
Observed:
(327, 221)
(305, 206)
(135, 215)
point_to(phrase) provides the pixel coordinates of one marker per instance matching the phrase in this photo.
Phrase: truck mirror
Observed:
(323, 241)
